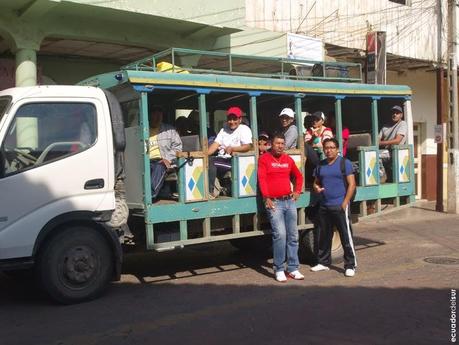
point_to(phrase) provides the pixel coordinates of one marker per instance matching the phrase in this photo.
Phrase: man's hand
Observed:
(269, 204)
(166, 163)
(295, 196)
(318, 189)
(344, 205)
(229, 150)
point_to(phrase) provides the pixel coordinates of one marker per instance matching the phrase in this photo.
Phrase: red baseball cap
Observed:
(234, 111)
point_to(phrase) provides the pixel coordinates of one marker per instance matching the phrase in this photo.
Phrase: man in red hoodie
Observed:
(275, 170)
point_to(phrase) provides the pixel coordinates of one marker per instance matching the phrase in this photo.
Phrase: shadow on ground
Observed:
(226, 307)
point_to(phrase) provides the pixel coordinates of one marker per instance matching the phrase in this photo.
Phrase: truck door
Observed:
(57, 158)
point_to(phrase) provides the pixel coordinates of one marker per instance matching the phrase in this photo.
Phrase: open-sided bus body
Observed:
(57, 165)
(196, 218)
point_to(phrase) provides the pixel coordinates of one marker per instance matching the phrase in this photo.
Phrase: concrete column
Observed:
(26, 67)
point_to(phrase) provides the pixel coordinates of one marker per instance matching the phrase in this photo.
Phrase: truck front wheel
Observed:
(75, 265)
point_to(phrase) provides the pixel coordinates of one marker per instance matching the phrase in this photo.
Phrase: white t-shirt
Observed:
(226, 137)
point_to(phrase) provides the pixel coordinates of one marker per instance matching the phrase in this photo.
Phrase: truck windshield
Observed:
(4, 102)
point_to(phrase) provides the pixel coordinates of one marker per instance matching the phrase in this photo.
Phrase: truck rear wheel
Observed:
(309, 244)
(75, 265)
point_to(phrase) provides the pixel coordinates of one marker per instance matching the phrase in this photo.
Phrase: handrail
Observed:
(179, 60)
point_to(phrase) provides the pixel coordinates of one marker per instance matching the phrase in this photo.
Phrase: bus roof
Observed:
(150, 80)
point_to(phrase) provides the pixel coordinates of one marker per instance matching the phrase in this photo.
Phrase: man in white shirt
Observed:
(233, 137)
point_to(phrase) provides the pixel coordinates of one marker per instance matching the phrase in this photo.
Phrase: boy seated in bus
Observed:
(163, 144)
(316, 134)
(394, 133)
(264, 142)
(233, 137)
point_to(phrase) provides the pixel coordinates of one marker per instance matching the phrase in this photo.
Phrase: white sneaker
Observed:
(350, 272)
(280, 277)
(319, 267)
(296, 275)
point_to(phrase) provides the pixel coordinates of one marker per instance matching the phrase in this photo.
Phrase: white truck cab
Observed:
(57, 181)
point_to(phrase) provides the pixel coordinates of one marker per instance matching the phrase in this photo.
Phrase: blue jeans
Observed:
(283, 221)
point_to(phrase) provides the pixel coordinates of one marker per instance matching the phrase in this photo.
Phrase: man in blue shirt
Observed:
(335, 182)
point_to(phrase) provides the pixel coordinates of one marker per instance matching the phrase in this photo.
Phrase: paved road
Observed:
(216, 295)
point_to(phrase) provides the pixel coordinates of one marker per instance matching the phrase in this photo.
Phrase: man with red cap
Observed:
(233, 137)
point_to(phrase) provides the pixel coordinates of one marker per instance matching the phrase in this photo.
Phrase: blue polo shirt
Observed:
(331, 179)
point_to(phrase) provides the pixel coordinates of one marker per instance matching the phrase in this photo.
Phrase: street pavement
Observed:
(214, 294)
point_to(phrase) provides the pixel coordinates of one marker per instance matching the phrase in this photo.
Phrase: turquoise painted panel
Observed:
(214, 208)
(405, 189)
(388, 190)
(367, 193)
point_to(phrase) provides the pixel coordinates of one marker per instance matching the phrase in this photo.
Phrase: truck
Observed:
(75, 172)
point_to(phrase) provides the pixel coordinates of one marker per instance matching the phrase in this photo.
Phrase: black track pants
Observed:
(330, 217)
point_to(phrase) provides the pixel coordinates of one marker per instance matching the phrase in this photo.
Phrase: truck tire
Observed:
(76, 265)
(309, 243)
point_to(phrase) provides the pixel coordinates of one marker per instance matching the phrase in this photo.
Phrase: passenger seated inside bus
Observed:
(194, 127)
(331, 123)
(233, 137)
(264, 143)
(184, 126)
(316, 132)
(394, 133)
(288, 128)
(163, 144)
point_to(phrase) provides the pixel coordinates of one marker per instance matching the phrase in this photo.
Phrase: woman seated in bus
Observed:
(288, 128)
(316, 134)
(233, 137)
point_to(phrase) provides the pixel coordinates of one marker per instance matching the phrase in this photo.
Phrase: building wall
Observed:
(424, 110)
(411, 30)
(424, 107)
(227, 13)
(69, 71)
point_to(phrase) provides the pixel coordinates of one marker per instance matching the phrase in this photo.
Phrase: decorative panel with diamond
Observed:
(194, 180)
(247, 176)
(404, 165)
(370, 168)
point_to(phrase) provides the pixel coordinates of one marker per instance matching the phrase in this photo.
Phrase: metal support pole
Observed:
(339, 124)
(439, 202)
(453, 147)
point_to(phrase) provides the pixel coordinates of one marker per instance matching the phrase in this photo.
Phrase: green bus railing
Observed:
(179, 60)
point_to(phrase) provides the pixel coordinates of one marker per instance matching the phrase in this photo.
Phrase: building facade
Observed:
(63, 42)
